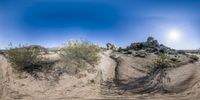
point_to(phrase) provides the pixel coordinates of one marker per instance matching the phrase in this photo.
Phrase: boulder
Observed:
(38, 47)
(152, 50)
(136, 46)
(151, 43)
(140, 53)
(181, 52)
(150, 39)
(163, 49)
(172, 52)
(111, 46)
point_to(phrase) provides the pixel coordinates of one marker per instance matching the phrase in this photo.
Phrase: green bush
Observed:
(79, 53)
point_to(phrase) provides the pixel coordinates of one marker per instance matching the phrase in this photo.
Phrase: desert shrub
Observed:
(193, 58)
(163, 61)
(28, 59)
(25, 59)
(158, 75)
(79, 54)
(22, 58)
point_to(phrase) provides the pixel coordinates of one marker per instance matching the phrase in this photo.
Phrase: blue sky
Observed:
(52, 23)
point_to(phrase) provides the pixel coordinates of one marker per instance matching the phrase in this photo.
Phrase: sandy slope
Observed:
(184, 82)
(14, 87)
(107, 66)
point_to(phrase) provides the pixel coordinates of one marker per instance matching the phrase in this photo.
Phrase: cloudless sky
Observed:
(52, 23)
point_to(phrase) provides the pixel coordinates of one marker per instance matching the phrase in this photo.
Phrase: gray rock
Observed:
(150, 46)
(136, 46)
(140, 53)
(181, 52)
(38, 47)
(111, 46)
(151, 43)
(150, 39)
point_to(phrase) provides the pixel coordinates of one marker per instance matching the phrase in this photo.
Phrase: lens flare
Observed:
(174, 35)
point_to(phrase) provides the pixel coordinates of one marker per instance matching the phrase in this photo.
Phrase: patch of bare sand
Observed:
(107, 66)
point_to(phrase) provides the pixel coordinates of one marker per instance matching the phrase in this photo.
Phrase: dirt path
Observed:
(107, 66)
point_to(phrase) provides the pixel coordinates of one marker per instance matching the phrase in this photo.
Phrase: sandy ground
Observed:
(14, 87)
(184, 79)
(107, 66)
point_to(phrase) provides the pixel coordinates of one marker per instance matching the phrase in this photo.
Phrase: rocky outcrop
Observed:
(150, 46)
(111, 46)
(140, 53)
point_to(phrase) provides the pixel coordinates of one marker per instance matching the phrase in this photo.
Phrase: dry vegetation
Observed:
(78, 51)
(163, 61)
(28, 60)
(77, 55)
(73, 57)
(22, 58)
(193, 58)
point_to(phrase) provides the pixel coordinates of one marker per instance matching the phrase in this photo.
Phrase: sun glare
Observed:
(174, 35)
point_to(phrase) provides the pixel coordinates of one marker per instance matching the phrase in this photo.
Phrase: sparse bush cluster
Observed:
(27, 59)
(78, 54)
(163, 61)
(22, 58)
(193, 58)
(74, 56)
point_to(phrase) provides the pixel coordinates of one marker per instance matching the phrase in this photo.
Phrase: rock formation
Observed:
(38, 47)
(111, 46)
(150, 46)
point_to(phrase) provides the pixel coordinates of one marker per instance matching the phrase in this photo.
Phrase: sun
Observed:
(174, 35)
